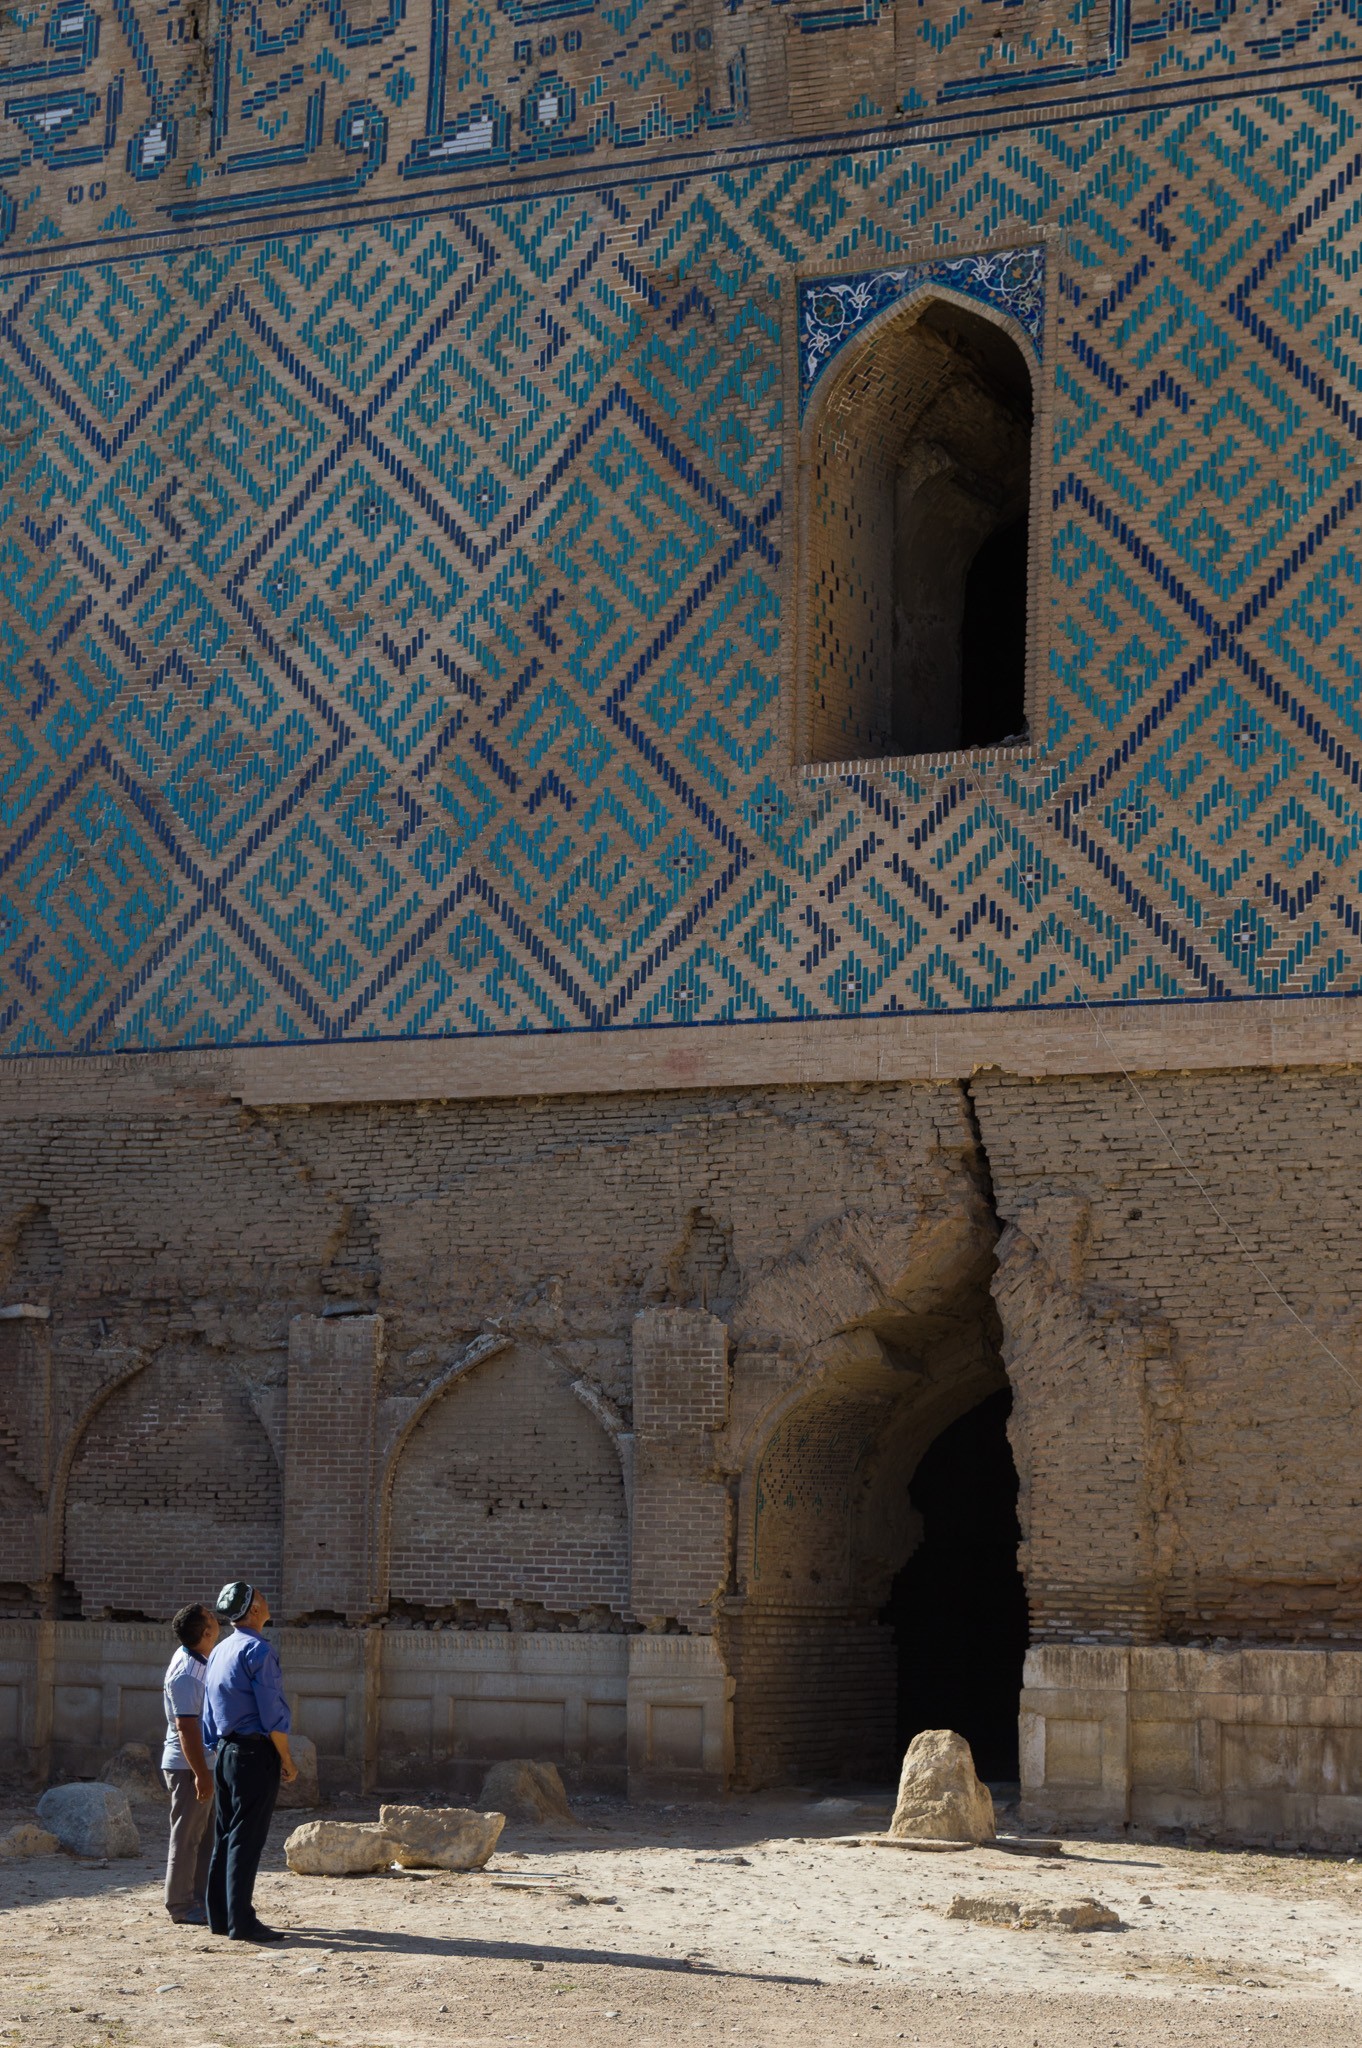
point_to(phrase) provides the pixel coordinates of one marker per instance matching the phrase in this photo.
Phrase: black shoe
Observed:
(221, 1932)
(261, 1933)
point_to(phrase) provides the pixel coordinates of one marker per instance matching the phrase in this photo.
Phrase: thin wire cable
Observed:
(1251, 1257)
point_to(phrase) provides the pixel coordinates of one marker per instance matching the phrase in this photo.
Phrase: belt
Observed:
(248, 1738)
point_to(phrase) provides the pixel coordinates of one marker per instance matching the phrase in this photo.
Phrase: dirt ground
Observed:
(661, 1924)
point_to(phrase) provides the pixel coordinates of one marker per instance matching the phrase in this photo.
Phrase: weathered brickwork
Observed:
(682, 1537)
(1181, 1432)
(334, 1371)
(542, 1229)
(817, 1696)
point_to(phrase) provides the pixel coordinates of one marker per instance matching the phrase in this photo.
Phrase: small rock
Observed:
(27, 1840)
(133, 1770)
(90, 1820)
(338, 1848)
(740, 1861)
(940, 1798)
(440, 1837)
(161, 1989)
(527, 1791)
(304, 1791)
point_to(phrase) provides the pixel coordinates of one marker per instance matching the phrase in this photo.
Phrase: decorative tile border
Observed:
(833, 310)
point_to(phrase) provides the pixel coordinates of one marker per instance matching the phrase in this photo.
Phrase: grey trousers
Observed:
(191, 1844)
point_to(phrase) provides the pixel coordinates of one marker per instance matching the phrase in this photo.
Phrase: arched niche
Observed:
(508, 1489)
(173, 1488)
(828, 1522)
(917, 461)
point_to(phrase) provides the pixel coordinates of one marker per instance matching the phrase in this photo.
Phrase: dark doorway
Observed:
(958, 1607)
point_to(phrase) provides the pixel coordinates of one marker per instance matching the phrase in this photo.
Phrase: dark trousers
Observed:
(247, 1776)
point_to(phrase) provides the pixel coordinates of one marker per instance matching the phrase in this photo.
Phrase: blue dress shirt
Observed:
(243, 1690)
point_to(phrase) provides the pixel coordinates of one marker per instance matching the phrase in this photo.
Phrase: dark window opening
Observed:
(993, 641)
(958, 1607)
(919, 491)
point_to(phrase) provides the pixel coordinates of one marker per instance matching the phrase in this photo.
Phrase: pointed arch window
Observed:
(917, 494)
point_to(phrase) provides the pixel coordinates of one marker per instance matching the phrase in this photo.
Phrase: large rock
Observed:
(90, 1820)
(26, 1840)
(304, 1791)
(440, 1837)
(338, 1848)
(134, 1771)
(1083, 1916)
(527, 1791)
(940, 1798)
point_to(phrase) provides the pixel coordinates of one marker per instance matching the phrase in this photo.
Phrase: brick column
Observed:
(334, 1365)
(26, 1421)
(1095, 1403)
(682, 1536)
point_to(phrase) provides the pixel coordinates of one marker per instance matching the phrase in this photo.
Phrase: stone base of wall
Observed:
(1247, 1746)
(389, 1708)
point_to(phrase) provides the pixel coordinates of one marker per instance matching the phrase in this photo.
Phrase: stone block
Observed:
(304, 1791)
(90, 1820)
(940, 1799)
(440, 1837)
(527, 1791)
(27, 1840)
(135, 1771)
(338, 1848)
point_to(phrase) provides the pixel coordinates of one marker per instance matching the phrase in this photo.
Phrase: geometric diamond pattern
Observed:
(395, 618)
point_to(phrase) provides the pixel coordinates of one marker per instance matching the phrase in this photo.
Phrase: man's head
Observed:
(243, 1605)
(196, 1628)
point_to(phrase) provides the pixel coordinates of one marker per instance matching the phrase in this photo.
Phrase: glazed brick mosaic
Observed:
(397, 622)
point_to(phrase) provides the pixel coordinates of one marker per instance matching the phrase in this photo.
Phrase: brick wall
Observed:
(557, 1222)
(1192, 1444)
(814, 1696)
(1188, 1458)
(25, 1456)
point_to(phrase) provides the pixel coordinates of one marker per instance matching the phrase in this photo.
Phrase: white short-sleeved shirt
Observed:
(183, 1694)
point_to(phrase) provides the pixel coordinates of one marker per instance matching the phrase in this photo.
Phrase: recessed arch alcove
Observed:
(916, 489)
(508, 1491)
(173, 1486)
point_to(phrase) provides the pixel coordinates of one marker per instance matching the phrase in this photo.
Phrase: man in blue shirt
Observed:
(186, 1770)
(246, 1719)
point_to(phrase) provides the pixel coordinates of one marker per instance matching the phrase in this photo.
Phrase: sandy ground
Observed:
(746, 1923)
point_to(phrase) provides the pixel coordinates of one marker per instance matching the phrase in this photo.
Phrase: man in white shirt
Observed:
(186, 1769)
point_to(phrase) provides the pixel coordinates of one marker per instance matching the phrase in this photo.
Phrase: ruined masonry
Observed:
(681, 887)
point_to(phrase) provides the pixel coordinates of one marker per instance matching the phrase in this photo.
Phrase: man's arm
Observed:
(272, 1707)
(191, 1742)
